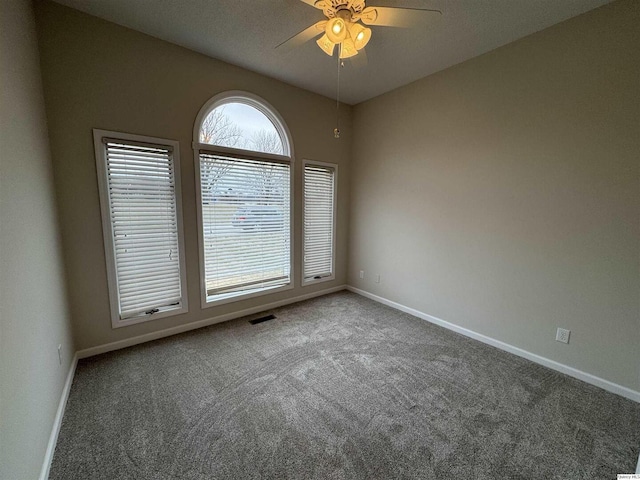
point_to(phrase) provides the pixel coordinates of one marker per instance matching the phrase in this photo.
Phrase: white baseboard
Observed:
(128, 342)
(57, 422)
(587, 377)
(573, 372)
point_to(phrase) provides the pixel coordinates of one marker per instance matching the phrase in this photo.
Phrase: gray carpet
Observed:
(338, 387)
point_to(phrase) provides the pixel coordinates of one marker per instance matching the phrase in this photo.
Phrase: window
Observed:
(244, 187)
(319, 222)
(139, 183)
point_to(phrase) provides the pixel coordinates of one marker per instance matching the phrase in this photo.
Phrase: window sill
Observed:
(118, 323)
(208, 301)
(313, 281)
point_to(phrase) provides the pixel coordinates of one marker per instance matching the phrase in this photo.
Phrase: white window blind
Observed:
(319, 205)
(246, 224)
(144, 229)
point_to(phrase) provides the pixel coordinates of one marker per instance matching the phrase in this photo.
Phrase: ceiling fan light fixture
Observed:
(360, 35)
(336, 30)
(326, 45)
(348, 49)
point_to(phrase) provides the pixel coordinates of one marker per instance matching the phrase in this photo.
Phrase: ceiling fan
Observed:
(342, 26)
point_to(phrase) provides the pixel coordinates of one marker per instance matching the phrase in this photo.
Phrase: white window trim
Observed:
(306, 283)
(238, 96)
(109, 248)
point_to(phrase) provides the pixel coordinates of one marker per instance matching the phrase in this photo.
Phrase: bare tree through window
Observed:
(220, 128)
(268, 179)
(217, 129)
(266, 141)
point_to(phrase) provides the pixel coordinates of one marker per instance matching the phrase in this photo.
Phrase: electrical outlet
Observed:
(562, 335)
(378, 278)
(60, 354)
(361, 273)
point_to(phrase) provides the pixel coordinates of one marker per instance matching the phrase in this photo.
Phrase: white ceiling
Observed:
(246, 32)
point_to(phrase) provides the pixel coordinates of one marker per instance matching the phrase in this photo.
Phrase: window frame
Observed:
(107, 227)
(252, 100)
(334, 166)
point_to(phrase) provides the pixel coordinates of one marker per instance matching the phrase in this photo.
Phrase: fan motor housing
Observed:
(344, 9)
(345, 14)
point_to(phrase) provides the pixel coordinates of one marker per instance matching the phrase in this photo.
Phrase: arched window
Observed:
(243, 153)
(239, 125)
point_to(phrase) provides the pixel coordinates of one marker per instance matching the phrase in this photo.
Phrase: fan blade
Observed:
(304, 36)
(396, 16)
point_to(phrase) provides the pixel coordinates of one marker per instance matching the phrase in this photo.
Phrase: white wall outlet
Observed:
(378, 278)
(562, 335)
(60, 354)
(361, 273)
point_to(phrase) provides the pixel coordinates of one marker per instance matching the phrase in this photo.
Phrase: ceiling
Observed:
(246, 32)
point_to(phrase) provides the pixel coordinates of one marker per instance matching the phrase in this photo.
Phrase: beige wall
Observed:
(502, 194)
(100, 75)
(33, 312)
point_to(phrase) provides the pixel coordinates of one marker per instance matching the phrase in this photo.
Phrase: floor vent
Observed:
(262, 319)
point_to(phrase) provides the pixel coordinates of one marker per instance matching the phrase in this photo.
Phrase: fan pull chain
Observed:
(336, 131)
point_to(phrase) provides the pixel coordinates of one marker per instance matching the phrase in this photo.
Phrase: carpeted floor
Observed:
(338, 387)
